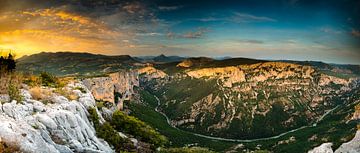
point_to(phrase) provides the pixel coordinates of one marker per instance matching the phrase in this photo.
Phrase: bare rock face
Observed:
(324, 148)
(352, 146)
(229, 75)
(186, 63)
(117, 87)
(58, 127)
(152, 73)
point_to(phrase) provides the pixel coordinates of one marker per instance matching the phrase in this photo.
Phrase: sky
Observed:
(319, 30)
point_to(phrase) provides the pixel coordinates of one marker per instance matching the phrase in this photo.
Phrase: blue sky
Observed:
(321, 30)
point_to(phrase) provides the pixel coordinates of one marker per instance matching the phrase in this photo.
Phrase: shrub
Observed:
(14, 93)
(8, 63)
(48, 79)
(32, 80)
(81, 89)
(137, 128)
(109, 134)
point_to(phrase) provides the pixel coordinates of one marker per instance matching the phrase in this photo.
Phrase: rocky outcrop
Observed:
(61, 126)
(150, 73)
(352, 146)
(185, 64)
(114, 88)
(324, 148)
(228, 75)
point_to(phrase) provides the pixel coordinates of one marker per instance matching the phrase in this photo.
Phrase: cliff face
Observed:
(115, 88)
(241, 101)
(61, 126)
(150, 72)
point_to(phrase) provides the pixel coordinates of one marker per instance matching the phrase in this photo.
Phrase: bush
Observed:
(109, 134)
(8, 63)
(14, 93)
(32, 80)
(81, 89)
(138, 129)
(48, 79)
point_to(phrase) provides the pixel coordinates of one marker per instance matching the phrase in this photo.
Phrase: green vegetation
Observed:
(80, 89)
(107, 132)
(187, 90)
(138, 129)
(186, 150)
(74, 64)
(14, 93)
(50, 80)
(332, 128)
(177, 138)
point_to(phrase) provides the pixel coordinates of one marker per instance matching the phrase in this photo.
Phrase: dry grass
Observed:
(40, 94)
(6, 148)
(69, 94)
(10, 83)
(7, 78)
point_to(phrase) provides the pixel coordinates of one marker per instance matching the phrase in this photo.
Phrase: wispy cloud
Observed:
(196, 34)
(249, 41)
(243, 17)
(169, 8)
(330, 30)
(238, 17)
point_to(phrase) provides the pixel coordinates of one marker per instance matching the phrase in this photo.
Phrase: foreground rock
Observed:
(60, 126)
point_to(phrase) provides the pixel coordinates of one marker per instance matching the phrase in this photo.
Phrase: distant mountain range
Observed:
(71, 63)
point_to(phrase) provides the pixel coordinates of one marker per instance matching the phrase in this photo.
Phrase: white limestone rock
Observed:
(323, 148)
(352, 146)
(61, 127)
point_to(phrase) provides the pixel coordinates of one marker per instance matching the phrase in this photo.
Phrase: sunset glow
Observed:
(297, 30)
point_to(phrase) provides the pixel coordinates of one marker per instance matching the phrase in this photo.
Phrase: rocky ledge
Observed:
(59, 126)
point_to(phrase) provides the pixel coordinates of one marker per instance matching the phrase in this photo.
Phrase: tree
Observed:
(7, 63)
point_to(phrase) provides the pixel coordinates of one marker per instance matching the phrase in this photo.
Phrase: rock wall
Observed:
(61, 126)
(150, 73)
(107, 88)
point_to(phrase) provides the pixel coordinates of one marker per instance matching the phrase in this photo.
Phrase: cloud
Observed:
(76, 26)
(196, 34)
(330, 30)
(169, 8)
(237, 17)
(243, 17)
(249, 41)
(355, 33)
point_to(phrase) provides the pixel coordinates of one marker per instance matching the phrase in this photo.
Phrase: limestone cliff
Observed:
(61, 126)
(114, 88)
(150, 72)
(220, 100)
